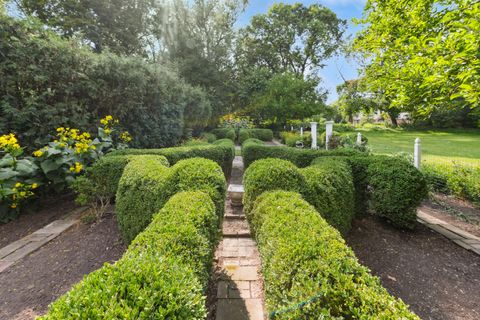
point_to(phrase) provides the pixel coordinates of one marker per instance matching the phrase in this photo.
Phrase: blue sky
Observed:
(345, 9)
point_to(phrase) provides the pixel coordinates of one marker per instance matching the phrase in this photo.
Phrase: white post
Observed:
(359, 139)
(328, 132)
(417, 153)
(291, 128)
(314, 134)
(301, 131)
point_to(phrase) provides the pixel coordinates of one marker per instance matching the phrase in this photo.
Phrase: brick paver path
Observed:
(239, 290)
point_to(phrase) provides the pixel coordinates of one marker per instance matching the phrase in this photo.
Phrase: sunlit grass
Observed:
(460, 146)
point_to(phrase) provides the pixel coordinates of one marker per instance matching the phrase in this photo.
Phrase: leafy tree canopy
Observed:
(422, 55)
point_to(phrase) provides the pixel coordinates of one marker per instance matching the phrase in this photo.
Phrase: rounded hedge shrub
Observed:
(201, 175)
(397, 187)
(261, 134)
(309, 271)
(143, 189)
(270, 174)
(162, 275)
(330, 190)
(225, 133)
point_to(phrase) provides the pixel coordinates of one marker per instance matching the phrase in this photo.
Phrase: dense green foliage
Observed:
(48, 82)
(422, 55)
(330, 190)
(460, 180)
(221, 151)
(146, 185)
(163, 274)
(270, 174)
(260, 134)
(225, 133)
(252, 151)
(313, 274)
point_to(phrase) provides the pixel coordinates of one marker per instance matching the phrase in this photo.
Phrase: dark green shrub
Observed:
(146, 185)
(260, 134)
(49, 82)
(221, 151)
(309, 271)
(163, 274)
(143, 189)
(270, 174)
(209, 137)
(398, 188)
(300, 157)
(330, 190)
(225, 133)
(101, 179)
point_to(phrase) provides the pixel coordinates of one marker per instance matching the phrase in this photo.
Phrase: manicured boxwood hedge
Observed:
(330, 190)
(252, 151)
(309, 271)
(260, 134)
(101, 179)
(146, 185)
(221, 151)
(327, 185)
(225, 133)
(163, 274)
(389, 187)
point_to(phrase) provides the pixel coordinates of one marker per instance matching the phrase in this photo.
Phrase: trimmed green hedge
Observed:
(309, 271)
(163, 274)
(300, 157)
(330, 190)
(146, 185)
(225, 133)
(389, 187)
(221, 151)
(260, 134)
(270, 174)
(101, 179)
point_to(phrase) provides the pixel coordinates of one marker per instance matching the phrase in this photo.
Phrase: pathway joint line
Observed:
(21, 248)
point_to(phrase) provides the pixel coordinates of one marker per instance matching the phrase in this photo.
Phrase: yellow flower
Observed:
(125, 136)
(38, 153)
(78, 167)
(22, 194)
(61, 129)
(18, 185)
(62, 145)
(34, 186)
(13, 206)
(108, 131)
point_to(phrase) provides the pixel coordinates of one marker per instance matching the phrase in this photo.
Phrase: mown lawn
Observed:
(437, 146)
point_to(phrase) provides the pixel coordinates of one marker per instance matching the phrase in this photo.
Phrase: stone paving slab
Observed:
(461, 237)
(23, 247)
(240, 309)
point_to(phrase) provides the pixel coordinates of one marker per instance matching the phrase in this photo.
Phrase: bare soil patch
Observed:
(40, 214)
(460, 213)
(29, 286)
(437, 278)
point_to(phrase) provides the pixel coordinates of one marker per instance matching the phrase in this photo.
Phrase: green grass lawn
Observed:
(462, 146)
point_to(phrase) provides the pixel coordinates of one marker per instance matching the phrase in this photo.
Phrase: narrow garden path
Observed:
(239, 289)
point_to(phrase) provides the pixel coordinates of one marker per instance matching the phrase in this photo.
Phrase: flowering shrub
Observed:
(17, 177)
(56, 165)
(236, 122)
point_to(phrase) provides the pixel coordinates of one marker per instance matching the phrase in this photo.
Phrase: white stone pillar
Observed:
(301, 131)
(359, 139)
(417, 153)
(314, 134)
(291, 128)
(328, 132)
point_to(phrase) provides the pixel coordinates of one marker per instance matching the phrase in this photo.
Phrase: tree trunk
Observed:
(393, 118)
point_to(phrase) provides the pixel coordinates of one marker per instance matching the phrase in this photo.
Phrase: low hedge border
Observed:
(225, 133)
(327, 185)
(260, 134)
(252, 151)
(221, 151)
(162, 275)
(313, 274)
(146, 185)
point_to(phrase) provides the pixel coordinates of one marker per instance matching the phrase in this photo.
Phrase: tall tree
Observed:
(122, 26)
(422, 55)
(290, 38)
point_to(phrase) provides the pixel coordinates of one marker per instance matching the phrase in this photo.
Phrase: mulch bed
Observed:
(28, 287)
(436, 277)
(42, 213)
